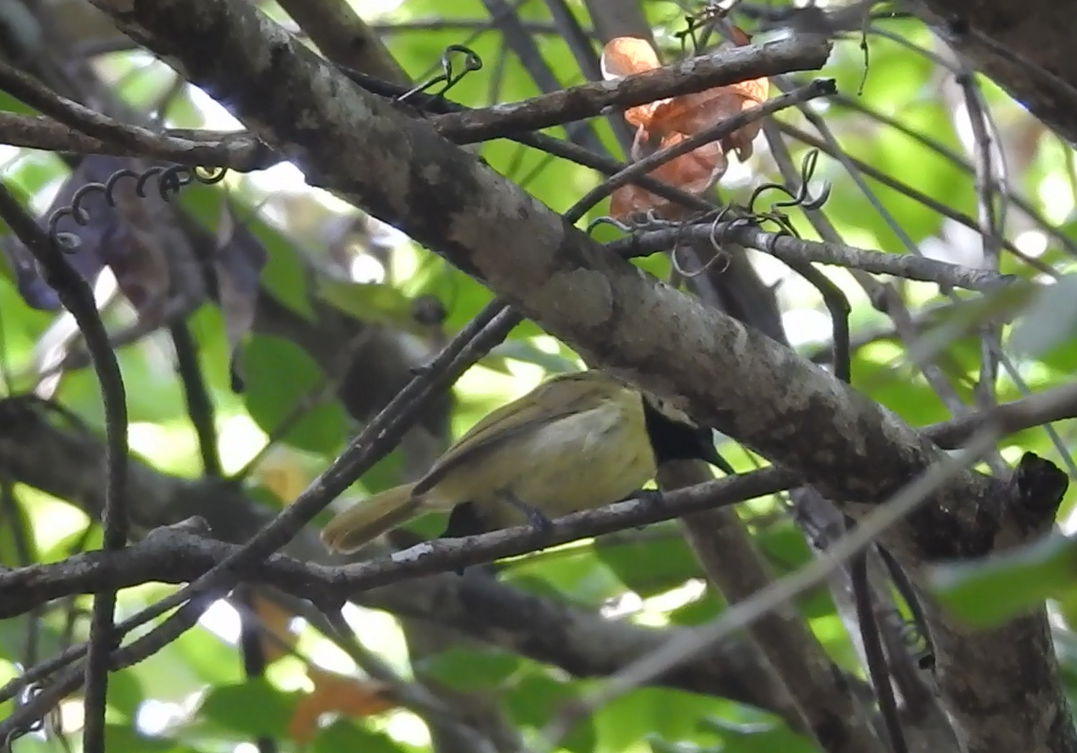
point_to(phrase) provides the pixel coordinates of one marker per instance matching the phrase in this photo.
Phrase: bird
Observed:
(578, 441)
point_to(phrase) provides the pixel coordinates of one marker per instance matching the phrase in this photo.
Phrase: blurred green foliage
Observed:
(192, 696)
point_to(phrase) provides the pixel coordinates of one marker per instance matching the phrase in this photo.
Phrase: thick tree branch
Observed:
(724, 374)
(1025, 47)
(610, 310)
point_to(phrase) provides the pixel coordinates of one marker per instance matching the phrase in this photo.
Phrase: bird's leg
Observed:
(536, 518)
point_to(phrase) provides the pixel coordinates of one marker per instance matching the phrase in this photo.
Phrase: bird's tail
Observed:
(363, 522)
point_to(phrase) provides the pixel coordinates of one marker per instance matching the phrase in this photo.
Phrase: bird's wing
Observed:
(557, 398)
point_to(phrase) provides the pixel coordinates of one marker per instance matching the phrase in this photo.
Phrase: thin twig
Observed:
(199, 403)
(728, 66)
(789, 249)
(736, 618)
(992, 225)
(77, 297)
(174, 554)
(239, 152)
(904, 188)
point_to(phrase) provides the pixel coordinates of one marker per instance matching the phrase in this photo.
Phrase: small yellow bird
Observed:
(576, 442)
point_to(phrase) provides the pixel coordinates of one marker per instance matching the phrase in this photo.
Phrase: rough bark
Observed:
(1001, 687)
(1024, 47)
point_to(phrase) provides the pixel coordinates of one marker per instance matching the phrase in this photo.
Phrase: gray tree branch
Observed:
(1002, 687)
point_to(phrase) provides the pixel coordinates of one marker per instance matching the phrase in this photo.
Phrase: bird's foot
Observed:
(538, 521)
(651, 498)
(536, 518)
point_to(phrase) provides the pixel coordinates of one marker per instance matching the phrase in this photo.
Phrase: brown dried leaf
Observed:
(275, 620)
(624, 56)
(664, 123)
(336, 693)
(694, 172)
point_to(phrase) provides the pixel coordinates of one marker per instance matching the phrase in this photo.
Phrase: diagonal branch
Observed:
(588, 100)
(726, 375)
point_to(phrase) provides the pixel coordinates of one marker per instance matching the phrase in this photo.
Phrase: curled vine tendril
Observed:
(25, 697)
(449, 76)
(703, 20)
(801, 197)
(169, 182)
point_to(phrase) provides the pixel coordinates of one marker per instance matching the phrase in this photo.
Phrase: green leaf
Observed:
(280, 378)
(574, 573)
(343, 735)
(988, 592)
(651, 567)
(761, 736)
(370, 302)
(1049, 321)
(668, 714)
(285, 275)
(470, 669)
(535, 700)
(125, 693)
(254, 708)
(207, 327)
(127, 738)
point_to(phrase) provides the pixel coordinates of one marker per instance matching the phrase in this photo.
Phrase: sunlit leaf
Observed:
(470, 669)
(283, 383)
(345, 736)
(252, 708)
(537, 698)
(989, 592)
(1049, 320)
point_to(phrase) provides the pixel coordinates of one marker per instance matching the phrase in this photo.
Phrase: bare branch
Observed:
(790, 249)
(588, 100)
(73, 127)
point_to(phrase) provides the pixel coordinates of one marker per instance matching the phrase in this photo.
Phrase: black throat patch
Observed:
(675, 440)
